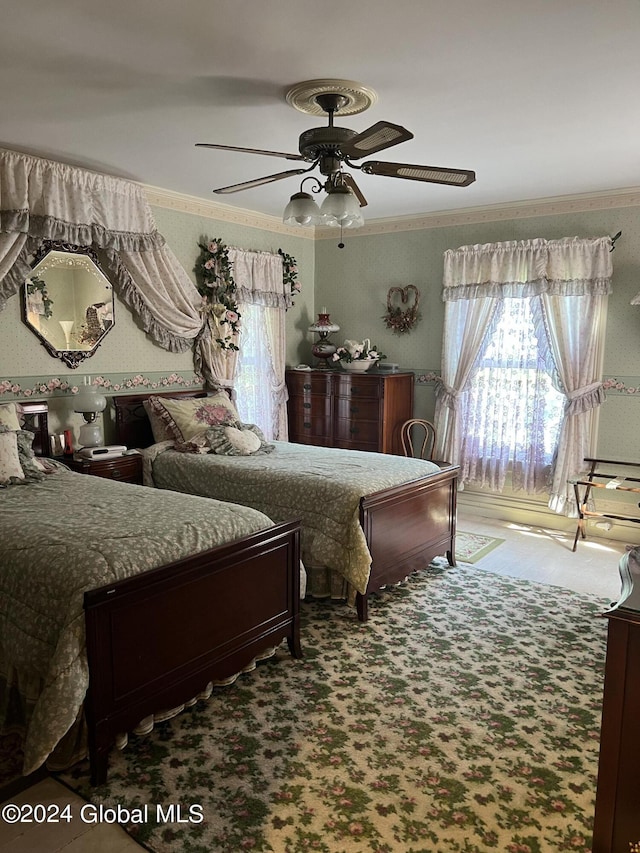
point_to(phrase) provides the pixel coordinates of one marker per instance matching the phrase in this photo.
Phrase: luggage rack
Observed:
(615, 481)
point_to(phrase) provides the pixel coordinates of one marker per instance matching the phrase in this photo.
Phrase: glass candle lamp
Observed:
(323, 349)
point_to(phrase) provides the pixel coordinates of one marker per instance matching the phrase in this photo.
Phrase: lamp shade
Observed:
(341, 209)
(323, 325)
(89, 401)
(301, 210)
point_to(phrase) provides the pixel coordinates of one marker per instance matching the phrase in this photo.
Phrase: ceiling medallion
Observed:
(359, 98)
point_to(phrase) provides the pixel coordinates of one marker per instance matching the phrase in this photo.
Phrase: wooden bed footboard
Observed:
(155, 640)
(407, 526)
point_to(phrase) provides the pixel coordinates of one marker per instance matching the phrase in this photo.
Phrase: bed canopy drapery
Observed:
(43, 200)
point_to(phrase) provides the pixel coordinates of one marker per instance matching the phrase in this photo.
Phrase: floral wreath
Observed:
(398, 317)
(290, 272)
(216, 285)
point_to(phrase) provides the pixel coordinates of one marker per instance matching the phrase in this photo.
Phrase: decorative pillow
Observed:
(235, 439)
(186, 418)
(10, 468)
(32, 468)
(159, 426)
(9, 416)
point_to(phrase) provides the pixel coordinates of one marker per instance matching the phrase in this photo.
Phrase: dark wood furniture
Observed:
(591, 482)
(154, 640)
(359, 411)
(617, 815)
(405, 526)
(126, 469)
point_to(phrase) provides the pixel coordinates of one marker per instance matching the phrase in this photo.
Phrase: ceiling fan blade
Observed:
(247, 185)
(249, 150)
(380, 135)
(355, 189)
(429, 174)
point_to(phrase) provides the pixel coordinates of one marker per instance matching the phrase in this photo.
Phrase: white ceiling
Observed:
(539, 98)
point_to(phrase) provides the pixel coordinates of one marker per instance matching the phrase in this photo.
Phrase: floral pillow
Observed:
(32, 467)
(10, 468)
(187, 418)
(9, 416)
(230, 439)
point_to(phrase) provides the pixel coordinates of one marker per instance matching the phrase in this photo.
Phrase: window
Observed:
(524, 322)
(254, 371)
(511, 412)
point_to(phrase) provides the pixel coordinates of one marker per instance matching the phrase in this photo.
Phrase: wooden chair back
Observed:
(425, 430)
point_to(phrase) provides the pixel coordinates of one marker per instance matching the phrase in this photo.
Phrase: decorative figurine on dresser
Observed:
(617, 815)
(358, 411)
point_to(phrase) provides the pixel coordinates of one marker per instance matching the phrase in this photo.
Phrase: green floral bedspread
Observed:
(67, 534)
(321, 486)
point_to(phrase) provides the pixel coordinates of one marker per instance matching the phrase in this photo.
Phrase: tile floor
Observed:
(534, 553)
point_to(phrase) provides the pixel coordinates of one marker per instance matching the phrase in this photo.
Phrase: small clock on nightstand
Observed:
(127, 469)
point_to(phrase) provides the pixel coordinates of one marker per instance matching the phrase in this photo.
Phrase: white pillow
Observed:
(9, 458)
(9, 416)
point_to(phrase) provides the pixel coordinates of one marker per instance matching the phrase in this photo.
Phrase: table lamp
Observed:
(323, 349)
(89, 403)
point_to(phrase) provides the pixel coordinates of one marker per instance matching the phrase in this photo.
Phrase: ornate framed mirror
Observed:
(68, 302)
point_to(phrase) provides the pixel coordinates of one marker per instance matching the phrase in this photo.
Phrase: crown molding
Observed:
(563, 205)
(559, 205)
(171, 200)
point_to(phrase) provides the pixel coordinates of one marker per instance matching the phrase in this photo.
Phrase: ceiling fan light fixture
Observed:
(341, 209)
(301, 210)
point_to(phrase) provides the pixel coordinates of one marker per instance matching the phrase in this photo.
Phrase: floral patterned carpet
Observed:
(464, 716)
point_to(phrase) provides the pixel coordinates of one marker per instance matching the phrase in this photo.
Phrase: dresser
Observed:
(358, 411)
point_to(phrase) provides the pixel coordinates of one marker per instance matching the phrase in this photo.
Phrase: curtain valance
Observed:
(259, 280)
(45, 200)
(568, 267)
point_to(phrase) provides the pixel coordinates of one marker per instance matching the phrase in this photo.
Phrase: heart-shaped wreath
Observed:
(402, 308)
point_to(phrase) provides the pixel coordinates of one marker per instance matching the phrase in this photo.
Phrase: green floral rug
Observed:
(464, 716)
(471, 547)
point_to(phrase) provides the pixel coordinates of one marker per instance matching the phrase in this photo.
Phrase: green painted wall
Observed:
(353, 284)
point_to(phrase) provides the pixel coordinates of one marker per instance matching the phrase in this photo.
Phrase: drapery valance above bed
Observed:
(46, 200)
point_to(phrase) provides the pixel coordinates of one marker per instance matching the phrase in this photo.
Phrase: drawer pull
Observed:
(354, 409)
(354, 429)
(307, 386)
(116, 473)
(306, 405)
(307, 424)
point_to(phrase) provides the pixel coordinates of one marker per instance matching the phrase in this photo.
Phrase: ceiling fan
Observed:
(330, 148)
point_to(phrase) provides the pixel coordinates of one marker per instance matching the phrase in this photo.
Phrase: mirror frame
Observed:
(72, 358)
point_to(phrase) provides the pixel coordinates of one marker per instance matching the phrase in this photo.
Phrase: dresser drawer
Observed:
(303, 382)
(360, 432)
(127, 469)
(358, 408)
(356, 385)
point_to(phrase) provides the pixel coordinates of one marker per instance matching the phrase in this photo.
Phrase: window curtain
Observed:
(259, 282)
(570, 280)
(45, 200)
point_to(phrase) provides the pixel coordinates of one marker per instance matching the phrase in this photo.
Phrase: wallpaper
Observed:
(352, 283)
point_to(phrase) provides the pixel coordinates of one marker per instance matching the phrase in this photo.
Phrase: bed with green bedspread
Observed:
(60, 537)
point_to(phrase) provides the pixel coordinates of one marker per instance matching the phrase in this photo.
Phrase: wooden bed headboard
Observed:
(133, 428)
(34, 417)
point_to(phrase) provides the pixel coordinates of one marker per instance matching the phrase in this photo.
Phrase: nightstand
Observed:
(127, 469)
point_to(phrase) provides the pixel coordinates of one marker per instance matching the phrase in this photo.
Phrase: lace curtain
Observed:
(259, 374)
(564, 284)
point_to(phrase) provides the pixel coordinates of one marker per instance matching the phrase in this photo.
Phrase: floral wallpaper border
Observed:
(628, 387)
(31, 386)
(36, 387)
